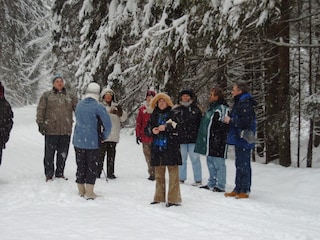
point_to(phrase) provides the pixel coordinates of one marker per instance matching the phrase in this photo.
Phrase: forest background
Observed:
(168, 45)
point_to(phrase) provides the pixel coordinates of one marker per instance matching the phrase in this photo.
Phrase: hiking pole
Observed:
(105, 175)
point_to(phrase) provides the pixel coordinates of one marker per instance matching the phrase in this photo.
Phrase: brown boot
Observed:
(242, 195)
(82, 189)
(230, 194)
(89, 192)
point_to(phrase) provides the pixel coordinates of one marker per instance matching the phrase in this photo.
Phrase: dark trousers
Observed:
(55, 145)
(243, 170)
(110, 149)
(87, 161)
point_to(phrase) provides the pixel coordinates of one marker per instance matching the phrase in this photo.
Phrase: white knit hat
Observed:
(93, 91)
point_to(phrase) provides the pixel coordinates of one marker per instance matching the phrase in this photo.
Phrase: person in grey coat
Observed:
(55, 120)
(90, 115)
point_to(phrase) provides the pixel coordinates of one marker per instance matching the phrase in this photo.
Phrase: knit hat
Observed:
(186, 91)
(93, 91)
(55, 77)
(150, 93)
(1, 91)
(157, 97)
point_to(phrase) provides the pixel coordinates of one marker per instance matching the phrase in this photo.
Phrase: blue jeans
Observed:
(186, 149)
(217, 172)
(243, 170)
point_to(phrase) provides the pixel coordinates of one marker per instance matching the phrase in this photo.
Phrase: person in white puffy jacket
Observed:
(117, 115)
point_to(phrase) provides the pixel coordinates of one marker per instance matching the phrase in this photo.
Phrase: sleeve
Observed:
(245, 116)
(74, 102)
(139, 123)
(41, 109)
(106, 121)
(124, 116)
(148, 129)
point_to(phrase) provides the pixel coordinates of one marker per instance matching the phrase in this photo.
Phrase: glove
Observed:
(119, 112)
(138, 140)
(42, 128)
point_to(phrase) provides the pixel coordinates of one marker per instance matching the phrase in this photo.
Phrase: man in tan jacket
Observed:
(55, 119)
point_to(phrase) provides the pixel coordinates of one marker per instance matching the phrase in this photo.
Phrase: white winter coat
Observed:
(116, 121)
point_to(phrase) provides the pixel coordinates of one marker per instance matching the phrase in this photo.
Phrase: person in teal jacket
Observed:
(211, 140)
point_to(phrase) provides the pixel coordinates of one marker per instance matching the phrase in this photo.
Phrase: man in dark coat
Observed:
(165, 150)
(242, 122)
(6, 122)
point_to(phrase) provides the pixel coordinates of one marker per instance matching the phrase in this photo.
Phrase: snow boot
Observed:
(89, 192)
(242, 195)
(230, 194)
(82, 189)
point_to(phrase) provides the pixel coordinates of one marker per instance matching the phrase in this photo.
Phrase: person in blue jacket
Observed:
(87, 138)
(242, 126)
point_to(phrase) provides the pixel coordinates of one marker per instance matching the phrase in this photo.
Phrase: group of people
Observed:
(96, 132)
(170, 133)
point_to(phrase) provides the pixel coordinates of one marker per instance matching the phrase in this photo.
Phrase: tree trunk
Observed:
(283, 90)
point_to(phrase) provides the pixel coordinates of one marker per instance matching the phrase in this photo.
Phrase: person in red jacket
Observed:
(141, 122)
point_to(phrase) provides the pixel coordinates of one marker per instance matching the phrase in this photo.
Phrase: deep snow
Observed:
(284, 203)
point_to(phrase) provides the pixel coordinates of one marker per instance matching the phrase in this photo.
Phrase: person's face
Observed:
(58, 84)
(235, 91)
(213, 97)
(108, 97)
(185, 98)
(149, 98)
(162, 104)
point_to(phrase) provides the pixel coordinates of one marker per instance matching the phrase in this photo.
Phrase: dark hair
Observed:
(242, 86)
(218, 92)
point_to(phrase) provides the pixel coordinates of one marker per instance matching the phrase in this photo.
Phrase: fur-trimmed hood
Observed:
(109, 91)
(158, 96)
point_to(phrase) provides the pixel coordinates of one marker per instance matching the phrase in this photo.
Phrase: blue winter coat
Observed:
(86, 134)
(243, 117)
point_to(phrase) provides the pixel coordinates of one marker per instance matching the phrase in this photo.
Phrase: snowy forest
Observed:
(169, 45)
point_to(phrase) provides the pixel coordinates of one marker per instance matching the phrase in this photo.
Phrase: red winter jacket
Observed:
(142, 121)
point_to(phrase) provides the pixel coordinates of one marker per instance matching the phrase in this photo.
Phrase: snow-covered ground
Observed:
(284, 203)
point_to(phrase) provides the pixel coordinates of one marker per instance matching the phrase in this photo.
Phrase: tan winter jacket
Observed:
(55, 112)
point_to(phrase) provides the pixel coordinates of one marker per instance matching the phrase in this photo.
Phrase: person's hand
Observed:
(138, 140)
(226, 119)
(155, 130)
(42, 128)
(162, 128)
(120, 111)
